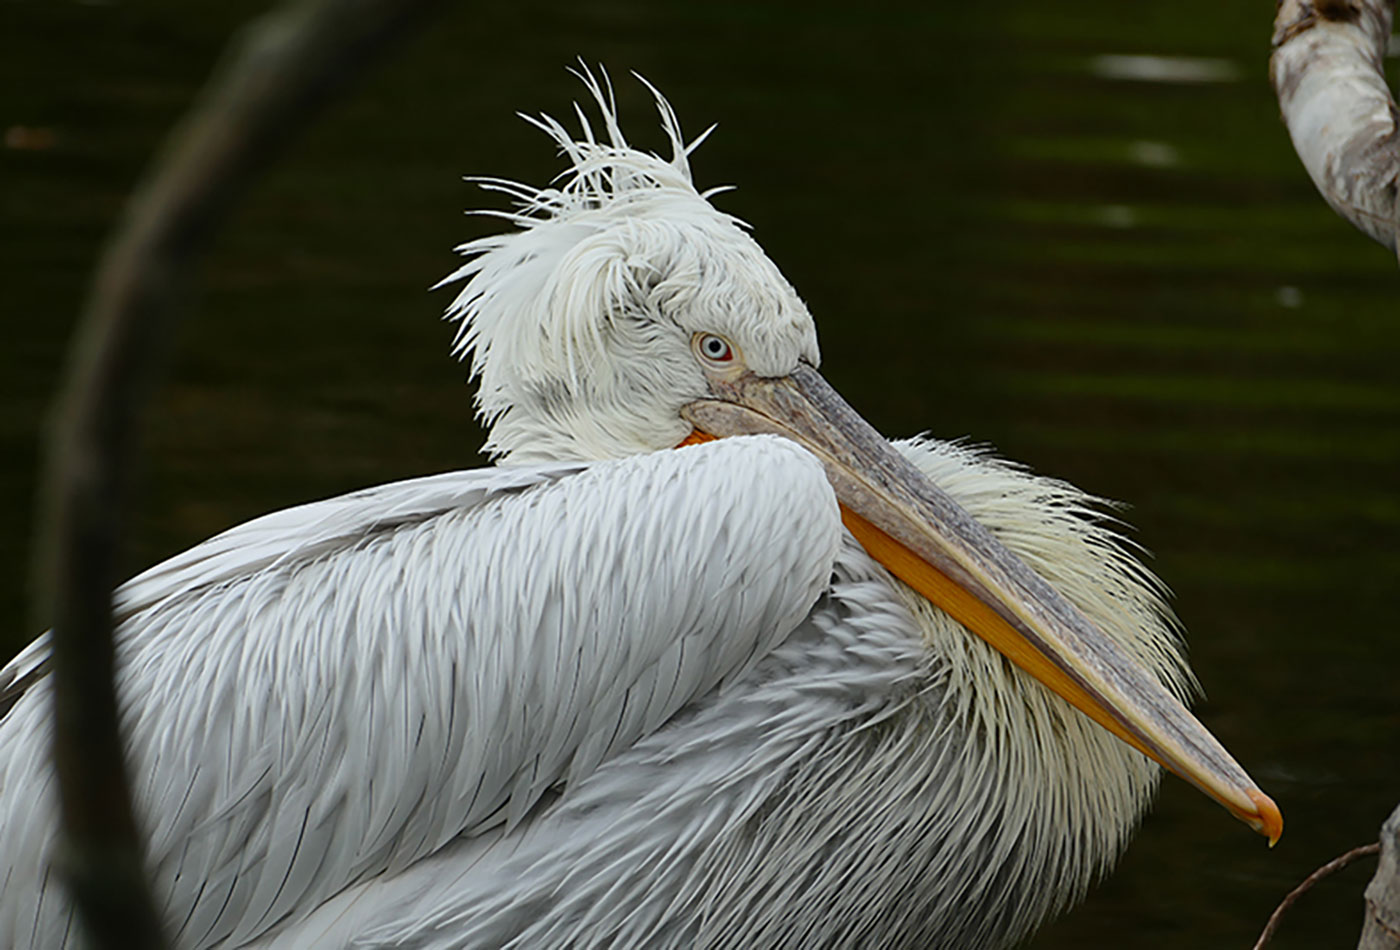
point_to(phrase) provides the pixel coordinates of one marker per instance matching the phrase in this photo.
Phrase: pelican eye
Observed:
(714, 348)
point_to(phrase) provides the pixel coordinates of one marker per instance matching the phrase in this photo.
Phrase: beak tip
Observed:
(1268, 820)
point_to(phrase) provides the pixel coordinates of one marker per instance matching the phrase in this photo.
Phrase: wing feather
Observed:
(331, 693)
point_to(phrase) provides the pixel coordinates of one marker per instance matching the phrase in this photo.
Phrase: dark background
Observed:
(1125, 282)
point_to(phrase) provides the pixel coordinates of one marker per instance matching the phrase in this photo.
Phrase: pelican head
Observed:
(627, 314)
(611, 309)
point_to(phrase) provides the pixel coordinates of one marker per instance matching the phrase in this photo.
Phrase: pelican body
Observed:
(703, 661)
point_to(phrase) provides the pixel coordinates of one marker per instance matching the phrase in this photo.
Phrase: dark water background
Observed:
(1126, 282)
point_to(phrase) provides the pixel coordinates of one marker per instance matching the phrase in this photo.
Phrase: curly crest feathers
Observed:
(619, 244)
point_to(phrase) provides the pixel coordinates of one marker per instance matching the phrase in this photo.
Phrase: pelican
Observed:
(702, 661)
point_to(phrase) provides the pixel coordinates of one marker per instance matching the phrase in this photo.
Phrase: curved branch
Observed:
(282, 69)
(1328, 869)
(1328, 72)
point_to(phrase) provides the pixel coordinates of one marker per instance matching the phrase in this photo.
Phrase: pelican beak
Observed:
(925, 539)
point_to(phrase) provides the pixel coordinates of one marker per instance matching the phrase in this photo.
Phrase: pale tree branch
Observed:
(1381, 928)
(1328, 72)
(278, 73)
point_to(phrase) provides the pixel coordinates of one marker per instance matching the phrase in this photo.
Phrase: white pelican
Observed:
(615, 693)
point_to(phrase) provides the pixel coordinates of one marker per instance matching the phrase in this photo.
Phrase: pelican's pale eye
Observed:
(714, 348)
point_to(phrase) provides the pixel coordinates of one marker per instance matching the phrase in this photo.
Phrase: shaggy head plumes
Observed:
(579, 324)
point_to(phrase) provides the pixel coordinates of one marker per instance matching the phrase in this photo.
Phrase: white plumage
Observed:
(613, 694)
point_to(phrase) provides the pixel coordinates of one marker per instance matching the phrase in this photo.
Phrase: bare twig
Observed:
(1328, 72)
(1331, 867)
(281, 70)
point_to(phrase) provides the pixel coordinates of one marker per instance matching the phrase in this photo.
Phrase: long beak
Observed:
(924, 538)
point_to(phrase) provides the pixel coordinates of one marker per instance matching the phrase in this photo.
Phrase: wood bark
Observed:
(1328, 71)
(283, 69)
(1381, 927)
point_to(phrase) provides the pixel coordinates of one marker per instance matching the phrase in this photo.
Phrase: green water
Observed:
(1129, 284)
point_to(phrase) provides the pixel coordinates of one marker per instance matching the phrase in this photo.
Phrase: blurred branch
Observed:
(1381, 929)
(281, 70)
(1328, 70)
